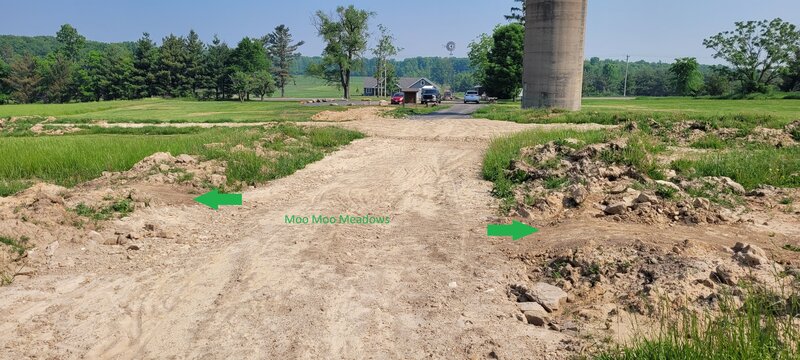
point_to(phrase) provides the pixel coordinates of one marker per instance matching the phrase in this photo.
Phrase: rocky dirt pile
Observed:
(50, 221)
(596, 290)
(686, 133)
(163, 168)
(561, 179)
(354, 114)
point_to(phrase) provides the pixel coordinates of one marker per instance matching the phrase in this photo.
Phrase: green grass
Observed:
(728, 113)
(408, 110)
(71, 159)
(710, 141)
(750, 167)
(17, 245)
(11, 187)
(762, 328)
(310, 87)
(119, 208)
(158, 111)
(791, 247)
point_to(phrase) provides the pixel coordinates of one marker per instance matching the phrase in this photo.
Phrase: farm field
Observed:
(166, 111)
(305, 86)
(771, 113)
(82, 187)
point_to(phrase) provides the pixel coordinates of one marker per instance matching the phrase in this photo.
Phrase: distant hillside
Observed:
(11, 45)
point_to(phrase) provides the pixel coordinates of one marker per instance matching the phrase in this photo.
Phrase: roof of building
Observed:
(403, 82)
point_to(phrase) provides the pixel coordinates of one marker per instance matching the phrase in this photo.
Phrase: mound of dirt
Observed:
(353, 114)
(686, 133)
(602, 289)
(563, 179)
(163, 168)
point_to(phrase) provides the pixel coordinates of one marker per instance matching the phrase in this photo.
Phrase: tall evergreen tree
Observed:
(57, 72)
(218, 68)
(282, 53)
(24, 79)
(145, 66)
(172, 72)
(195, 67)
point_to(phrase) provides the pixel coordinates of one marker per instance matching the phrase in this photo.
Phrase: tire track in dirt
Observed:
(271, 290)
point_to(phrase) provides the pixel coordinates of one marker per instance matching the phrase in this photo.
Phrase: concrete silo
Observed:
(554, 47)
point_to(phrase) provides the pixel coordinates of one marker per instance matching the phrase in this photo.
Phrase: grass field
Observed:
(167, 111)
(769, 113)
(310, 87)
(71, 159)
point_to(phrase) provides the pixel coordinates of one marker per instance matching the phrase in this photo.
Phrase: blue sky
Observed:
(646, 29)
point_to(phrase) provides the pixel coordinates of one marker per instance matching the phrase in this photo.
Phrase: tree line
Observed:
(182, 66)
(760, 56)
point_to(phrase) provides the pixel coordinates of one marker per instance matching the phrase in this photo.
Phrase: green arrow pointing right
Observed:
(516, 230)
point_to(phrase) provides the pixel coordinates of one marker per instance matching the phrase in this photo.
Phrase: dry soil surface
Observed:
(240, 283)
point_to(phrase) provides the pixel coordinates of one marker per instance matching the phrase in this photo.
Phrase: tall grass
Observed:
(719, 113)
(763, 327)
(71, 159)
(750, 167)
(157, 111)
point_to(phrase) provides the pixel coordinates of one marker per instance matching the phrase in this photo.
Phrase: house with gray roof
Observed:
(403, 83)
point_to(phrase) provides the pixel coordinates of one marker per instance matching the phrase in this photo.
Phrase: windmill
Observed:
(451, 46)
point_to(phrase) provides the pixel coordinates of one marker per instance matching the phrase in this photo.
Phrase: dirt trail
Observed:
(242, 284)
(249, 286)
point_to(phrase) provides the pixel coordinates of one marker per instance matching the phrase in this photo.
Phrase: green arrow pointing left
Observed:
(214, 199)
(516, 230)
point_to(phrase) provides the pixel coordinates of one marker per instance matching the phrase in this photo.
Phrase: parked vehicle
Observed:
(430, 95)
(397, 98)
(472, 96)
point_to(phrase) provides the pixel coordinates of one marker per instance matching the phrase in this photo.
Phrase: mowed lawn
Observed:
(168, 111)
(305, 86)
(771, 113)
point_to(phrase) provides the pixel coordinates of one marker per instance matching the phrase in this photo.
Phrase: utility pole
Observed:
(627, 62)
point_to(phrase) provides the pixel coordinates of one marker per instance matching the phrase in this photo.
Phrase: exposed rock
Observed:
(668, 184)
(549, 296)
(647, 198)
(702, 203)
(535, 318)
(616, 209)
(578, 194)
(725, 275)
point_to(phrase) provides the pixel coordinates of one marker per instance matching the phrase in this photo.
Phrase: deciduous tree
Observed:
(345, 34)
(71, 42)
(504, 73)
(383, 52)
(263, 84)
(688, 78)
(242, 84)
(479, 57)
(757, 51)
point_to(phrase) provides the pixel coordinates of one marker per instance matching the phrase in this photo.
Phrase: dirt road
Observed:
(243, 284)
